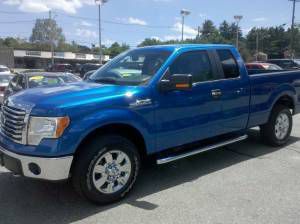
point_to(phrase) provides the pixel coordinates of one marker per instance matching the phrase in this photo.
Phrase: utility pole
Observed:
(183, 13)
(257, 46)
(51, 37)
(182, 28)
(238, 19)
(293, 28)
(100, 3)
(199, 32)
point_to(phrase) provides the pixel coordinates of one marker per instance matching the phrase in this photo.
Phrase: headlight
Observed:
(46, 127)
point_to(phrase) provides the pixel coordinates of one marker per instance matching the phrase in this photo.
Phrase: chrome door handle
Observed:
(239, 91)
(216, 93)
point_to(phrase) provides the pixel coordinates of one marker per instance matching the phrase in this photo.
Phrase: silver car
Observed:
(4, 81)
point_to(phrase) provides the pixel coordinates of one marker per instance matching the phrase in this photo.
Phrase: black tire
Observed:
(82, 176)
(268, 131)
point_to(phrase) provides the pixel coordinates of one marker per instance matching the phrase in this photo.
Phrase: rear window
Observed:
(229, 64)
(5, 78)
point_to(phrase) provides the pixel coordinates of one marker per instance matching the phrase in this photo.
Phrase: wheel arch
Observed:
(286, 99)
(125, 130)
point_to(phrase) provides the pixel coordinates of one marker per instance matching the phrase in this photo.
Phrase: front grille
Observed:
(12, 122)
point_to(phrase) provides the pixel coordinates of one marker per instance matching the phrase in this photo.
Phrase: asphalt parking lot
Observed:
(242, 183)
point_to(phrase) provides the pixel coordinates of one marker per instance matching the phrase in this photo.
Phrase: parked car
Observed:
(4, 70)
(61, 68)
(38, 79)
(287, 64)
(77, 68)
(4, 81)
(88, 74)
(262, 66)
(168, 102)
(88, 67)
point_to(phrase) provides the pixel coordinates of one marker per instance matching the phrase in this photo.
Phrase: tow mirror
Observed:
(176, 82)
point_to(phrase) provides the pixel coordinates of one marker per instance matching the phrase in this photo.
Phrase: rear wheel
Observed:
(278, 129)
(106, 169)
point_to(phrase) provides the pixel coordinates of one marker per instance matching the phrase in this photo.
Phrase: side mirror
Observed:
(176, 82)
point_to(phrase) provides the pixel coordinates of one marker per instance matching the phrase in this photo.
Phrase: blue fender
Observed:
(81, 128)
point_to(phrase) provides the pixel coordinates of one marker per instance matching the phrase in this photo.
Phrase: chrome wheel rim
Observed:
(111, 172)
(282, 126)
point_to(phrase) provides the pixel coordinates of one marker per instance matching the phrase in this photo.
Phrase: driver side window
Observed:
(195, 63)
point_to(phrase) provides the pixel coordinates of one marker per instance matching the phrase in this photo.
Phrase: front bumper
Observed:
(52, 169)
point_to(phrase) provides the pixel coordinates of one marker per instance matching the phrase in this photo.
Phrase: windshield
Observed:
(5, 78)
(132, 68)
(4, 70)
(273, 67)
(297, 61)
(70, 78)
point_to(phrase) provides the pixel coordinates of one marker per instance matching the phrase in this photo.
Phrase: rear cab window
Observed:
(229, 64)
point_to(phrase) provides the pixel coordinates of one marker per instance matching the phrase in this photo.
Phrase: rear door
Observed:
(235, 90)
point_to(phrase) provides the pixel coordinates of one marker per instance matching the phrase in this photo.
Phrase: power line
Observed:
(93, 19)
(12, 13)
(16, 22)
(116, 23)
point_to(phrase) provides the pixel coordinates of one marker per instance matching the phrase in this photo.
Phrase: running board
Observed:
(200, 150)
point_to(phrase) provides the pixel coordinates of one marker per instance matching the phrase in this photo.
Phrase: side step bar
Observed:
(200, 150)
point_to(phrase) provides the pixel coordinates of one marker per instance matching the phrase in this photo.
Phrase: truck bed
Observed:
(266, 88)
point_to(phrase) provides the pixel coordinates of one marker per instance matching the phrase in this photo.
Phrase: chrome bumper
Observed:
(52, 169)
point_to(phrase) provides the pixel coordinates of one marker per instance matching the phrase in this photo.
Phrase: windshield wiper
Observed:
(104, 80)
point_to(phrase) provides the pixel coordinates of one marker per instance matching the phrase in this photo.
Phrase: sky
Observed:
(131, 21)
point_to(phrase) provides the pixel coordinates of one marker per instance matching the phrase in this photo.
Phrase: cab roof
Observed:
(173, 47)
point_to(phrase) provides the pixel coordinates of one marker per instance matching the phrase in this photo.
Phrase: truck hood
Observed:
(54, 100)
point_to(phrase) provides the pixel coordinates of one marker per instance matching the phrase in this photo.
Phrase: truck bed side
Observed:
(267, 89)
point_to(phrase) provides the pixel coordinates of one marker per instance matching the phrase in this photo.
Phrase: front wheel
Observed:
(106, 169)
(278, 129)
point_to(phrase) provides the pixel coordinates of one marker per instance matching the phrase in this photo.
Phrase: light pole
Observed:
(238, 19)
(100, 3)
(293, 28)
(183, 13)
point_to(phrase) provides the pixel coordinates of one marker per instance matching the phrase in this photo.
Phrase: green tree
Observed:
(274, 41)
(150, 42)
(225, 30)
(208, 29)
(46, 30)
(116, 49)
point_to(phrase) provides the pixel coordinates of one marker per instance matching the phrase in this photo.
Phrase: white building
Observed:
(41, 59)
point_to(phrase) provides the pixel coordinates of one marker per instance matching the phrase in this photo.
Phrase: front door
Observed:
(191, 115)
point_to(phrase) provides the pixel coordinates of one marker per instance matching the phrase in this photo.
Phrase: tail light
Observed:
(2, 88)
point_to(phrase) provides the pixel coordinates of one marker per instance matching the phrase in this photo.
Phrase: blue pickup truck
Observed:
(168, 102)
